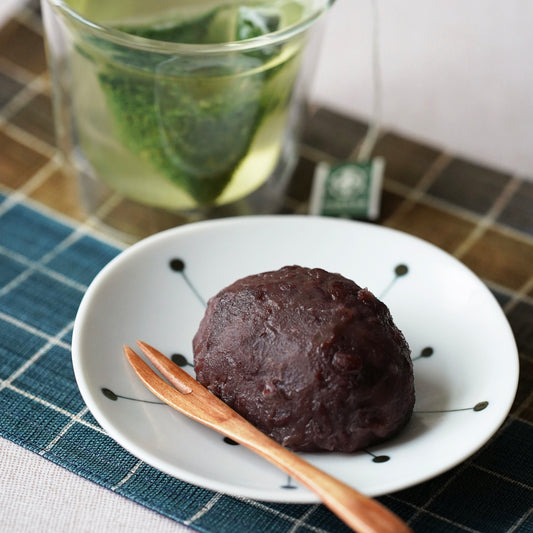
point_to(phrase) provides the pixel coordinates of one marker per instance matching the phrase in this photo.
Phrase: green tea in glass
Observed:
(181, 104)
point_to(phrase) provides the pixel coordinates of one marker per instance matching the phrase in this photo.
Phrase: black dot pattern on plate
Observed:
(110, 395)
(426, 352)
(178, 265)
(401, 270)
(180, 360)
(480, 406)
(289, 484)
(377, 458)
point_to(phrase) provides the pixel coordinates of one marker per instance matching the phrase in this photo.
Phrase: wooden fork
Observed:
(360, 512)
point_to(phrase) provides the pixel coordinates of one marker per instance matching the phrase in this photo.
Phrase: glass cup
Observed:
(189, 107)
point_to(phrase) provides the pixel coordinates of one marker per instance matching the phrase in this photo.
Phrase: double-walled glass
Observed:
(181, 104)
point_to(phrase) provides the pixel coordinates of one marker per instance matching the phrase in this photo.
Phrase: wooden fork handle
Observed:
(361, 513)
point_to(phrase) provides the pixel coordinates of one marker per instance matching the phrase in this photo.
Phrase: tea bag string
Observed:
(369, 142)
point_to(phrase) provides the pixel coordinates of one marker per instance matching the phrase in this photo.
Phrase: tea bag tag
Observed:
(348, 189)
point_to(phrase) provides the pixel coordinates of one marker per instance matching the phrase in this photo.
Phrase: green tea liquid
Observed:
(181, 131)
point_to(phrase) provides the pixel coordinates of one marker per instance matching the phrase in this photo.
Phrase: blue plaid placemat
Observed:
(45, 267)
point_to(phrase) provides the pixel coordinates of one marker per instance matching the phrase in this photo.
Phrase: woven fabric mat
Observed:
(45, 267)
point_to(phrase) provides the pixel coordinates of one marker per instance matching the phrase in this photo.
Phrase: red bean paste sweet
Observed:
(309, 357)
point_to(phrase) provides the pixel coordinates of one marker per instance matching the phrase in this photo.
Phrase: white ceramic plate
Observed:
(465, 357)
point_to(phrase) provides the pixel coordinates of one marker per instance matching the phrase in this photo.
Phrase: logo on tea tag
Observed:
(350, 190)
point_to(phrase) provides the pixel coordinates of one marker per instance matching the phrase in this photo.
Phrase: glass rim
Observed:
(167, 47)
